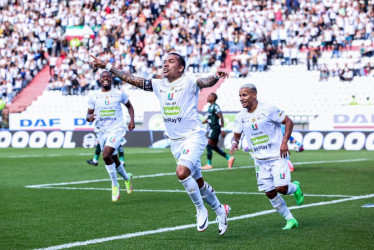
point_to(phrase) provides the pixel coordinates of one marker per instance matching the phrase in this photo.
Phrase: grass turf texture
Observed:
(44, 217)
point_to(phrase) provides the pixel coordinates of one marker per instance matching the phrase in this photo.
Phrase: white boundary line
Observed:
(181, 227)
(173, 173)
(184, 191)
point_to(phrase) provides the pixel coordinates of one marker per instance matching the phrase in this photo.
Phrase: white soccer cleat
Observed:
(222, 220)
(202, 221)
(115, 193)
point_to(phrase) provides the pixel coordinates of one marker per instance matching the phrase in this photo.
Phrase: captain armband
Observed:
(147, 85)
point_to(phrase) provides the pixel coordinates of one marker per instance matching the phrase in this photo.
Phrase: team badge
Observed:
(254, 126)
(170, 96)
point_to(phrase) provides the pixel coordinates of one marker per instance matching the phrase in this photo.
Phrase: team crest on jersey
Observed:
(253, 119)
(254, 126)
(282, 175)
(186, 151)
(170, 96)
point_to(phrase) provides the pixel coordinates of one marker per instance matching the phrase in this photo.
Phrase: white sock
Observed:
(291, 188)
(122, 172)
(111, 169)
(209, 196)
(280, 205)
(193, 191)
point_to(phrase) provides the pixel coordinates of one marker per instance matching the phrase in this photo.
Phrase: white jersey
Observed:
(108, 110)
(178, 102)
(262, 130)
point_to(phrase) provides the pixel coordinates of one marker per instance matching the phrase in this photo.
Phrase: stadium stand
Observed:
(305, 47)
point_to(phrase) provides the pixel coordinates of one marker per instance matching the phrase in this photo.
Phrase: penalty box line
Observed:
(182, 227)
(173, 173)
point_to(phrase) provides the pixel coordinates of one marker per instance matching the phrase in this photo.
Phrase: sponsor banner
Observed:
(19, 121)
(327, 140)
(70, 139)
(348, 118)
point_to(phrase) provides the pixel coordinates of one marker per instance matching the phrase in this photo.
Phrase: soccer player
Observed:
(261, 125)
(178, 96)
(104, 107)
(95, 159)
(214, 117)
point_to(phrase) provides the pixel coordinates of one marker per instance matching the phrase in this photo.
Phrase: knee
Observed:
(271, 194)
(107, 157)
(182, 173)
(282, 189)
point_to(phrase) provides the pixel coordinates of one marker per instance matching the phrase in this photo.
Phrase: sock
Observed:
(193, 191)
(97, 153)
(209, 196)
(280, 205)
(221, 152)
(121, 154)
(122, 172)
(209, 154)
(111, 169)
(291, 188)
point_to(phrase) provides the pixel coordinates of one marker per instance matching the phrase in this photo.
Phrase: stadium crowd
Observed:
(134, 35)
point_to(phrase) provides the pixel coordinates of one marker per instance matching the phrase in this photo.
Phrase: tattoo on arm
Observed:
(129, 78)
(206, 82)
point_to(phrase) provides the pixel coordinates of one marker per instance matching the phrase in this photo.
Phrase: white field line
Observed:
(173, 173)
(181, 227)
(80, 154)
(184, 191)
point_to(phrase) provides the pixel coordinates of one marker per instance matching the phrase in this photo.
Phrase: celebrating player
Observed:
(178, 96)
(214, 118)
(261, 125)
(104, 107)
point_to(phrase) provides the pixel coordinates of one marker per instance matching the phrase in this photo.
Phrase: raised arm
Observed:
(124, 76)
(210, 81)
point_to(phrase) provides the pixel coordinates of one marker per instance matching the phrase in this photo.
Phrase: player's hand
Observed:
(223, 134)
(234, 147)
(97, 63)
(221, 74)
(284, 152)
(91, 117)
(131, 125)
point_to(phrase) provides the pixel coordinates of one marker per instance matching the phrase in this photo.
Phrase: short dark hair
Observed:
(215, 96)
(181, 60)
(105, 71)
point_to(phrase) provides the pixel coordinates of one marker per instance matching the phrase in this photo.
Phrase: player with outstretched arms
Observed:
(261, 125)
(104, 109)
(178, 96)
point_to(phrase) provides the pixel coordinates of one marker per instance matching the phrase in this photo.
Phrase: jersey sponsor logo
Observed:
(185, 151)
(107, 112)
(103, 119)
(258, 148)
(260, 140)
(254, 126)
(174, 120)
(172, 110)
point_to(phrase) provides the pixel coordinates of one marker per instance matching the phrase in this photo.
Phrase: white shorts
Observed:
(112, 139)
(190, 149)
(271, 174)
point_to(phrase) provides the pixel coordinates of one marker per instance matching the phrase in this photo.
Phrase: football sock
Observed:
(121, 154)
(111, 169)
(280, 205)
(209, 196)
(221, 152)
(291, 188)
(122, 172)
(209, 154)
(193, 191)
(97, 153)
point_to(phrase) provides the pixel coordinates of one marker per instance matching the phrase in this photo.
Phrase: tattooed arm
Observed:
(125, 76)
(211, 80)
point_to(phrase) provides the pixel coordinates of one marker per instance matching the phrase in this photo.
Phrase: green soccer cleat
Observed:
(299, 197)
(129, 184)
(291, 223)
(115, 193)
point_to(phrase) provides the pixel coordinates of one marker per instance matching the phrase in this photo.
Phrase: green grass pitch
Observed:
(53, 198)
